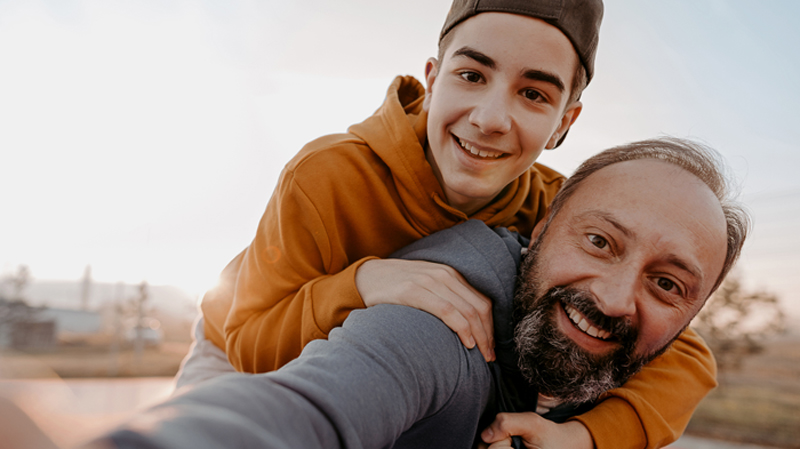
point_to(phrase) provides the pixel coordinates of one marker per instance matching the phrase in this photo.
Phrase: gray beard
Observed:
(551, 361)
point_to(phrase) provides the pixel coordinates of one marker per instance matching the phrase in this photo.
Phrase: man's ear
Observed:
(431, 70)
(571, 114)
(537, 230)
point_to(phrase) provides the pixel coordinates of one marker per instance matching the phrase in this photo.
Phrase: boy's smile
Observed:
(495, 102)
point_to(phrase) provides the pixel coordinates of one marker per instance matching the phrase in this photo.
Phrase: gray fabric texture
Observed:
(390, 377)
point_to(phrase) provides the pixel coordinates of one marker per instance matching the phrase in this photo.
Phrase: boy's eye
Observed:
(531, 94)
(472, 77)
(598, 241)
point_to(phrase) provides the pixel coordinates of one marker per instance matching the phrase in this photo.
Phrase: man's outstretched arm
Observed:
(393, 376)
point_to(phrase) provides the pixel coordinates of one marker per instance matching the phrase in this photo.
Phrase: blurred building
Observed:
(26, 327)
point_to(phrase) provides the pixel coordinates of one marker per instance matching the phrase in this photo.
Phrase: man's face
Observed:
(618, 274)
(494, 102)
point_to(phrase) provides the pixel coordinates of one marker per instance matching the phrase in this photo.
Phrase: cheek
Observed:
(569, 266)
(659, 324)
(446, 103)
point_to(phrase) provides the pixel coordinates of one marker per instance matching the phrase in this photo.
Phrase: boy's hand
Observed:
(435, 288)
(536, 432)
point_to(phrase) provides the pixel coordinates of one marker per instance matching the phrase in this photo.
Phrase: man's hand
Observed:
(435, 288)
(536, 433)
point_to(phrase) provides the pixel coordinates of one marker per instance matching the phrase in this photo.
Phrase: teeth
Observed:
(584, 325)
(480, 153)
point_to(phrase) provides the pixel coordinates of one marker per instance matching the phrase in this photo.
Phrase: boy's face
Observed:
(495, 101)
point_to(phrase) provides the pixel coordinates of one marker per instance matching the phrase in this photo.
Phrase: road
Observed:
(72, 411)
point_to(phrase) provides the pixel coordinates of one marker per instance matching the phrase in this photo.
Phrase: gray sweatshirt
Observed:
(390, 377)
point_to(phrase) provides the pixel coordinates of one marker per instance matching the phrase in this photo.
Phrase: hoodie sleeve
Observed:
(654, 406)
(292, 285)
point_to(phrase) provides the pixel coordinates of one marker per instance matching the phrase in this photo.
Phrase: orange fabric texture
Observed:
(346, 198)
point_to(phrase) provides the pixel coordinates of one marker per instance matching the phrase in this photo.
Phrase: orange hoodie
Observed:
(347, 198)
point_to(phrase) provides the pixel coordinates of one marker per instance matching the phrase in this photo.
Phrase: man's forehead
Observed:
(650, 184)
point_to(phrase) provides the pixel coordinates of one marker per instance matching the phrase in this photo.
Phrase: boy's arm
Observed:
(656, 404)
(297, 279)
(283, 295)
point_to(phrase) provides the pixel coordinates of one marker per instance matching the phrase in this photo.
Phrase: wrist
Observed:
(579, 435)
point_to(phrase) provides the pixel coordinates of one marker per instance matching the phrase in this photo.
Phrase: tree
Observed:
(736, 323)
(18, 282)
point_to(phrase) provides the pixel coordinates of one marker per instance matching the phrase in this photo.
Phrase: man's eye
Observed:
(665, 284)
(472, 77)
(531, 94)
(598, 241)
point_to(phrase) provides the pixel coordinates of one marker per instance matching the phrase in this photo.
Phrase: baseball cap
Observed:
(579, 20)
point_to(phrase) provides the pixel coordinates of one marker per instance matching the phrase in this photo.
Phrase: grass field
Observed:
(758, 404)
(93, 361)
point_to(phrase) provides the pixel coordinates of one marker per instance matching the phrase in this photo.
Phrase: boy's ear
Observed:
(571, 114)
(537, 230)
(431, 70)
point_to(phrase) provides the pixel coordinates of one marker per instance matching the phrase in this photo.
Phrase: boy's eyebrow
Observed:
(538, 75)
(531, 74)
(480, 58)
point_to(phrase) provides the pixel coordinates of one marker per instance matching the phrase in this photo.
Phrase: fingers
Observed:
(435, 288)
(503, 444)
(537, 432)
(466, 311)
(506, 425)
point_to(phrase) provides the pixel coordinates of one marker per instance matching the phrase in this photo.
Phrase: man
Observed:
(635, 243)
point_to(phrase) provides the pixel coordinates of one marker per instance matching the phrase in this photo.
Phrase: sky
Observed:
(145, 138)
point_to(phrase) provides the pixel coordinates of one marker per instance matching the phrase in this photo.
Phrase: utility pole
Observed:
(139, 343)
(117, 310)
(86, 287)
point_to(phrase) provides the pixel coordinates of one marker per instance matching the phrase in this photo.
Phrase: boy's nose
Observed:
(491, 115)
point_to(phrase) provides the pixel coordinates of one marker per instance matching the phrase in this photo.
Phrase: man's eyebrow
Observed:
(538, 75)
(610, 220)
(480, 58)
(690, 268)
(681, 263)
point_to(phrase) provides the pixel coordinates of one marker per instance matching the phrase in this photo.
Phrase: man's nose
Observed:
(617, 295)
(492, 114)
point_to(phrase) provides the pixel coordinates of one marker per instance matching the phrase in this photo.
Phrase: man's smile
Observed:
(584, 332)
(584, 324)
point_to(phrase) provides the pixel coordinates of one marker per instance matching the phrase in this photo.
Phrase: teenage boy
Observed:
(504, 87)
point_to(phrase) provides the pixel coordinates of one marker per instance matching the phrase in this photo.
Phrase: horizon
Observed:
(145, 139)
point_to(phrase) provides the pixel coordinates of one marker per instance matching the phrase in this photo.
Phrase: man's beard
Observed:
(551, 361)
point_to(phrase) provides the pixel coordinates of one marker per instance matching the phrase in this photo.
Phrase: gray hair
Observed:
(696, 158)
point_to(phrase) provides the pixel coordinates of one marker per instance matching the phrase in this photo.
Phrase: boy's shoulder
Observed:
(547, 175)
(338, 154)
(387, 143)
